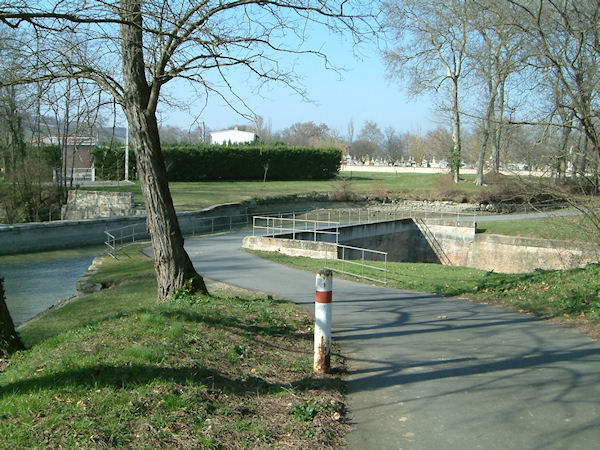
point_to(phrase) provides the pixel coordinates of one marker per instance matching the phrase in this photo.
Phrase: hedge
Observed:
(109, 162)
(250, 162)
(244, 162)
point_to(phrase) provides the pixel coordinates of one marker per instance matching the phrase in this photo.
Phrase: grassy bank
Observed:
(112, 369)
(577, 228)
(571, 296)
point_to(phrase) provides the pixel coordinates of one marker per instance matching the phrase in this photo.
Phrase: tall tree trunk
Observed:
(9, 339)
(583, 161)
(485, 137)
(174, 269)
(498, 129)
(455, 157)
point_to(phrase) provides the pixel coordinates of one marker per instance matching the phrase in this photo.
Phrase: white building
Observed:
(229, 137)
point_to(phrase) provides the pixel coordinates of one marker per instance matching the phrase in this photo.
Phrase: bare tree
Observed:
(263, 128)
(437, 142)
(363, 150)
(307, 134)
(496, 53)
(371, 132)
(417, 148)
(133, 48)
(430, 39)
(564, 40)
(393, 145)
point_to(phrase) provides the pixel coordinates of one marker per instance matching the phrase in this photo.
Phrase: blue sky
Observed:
(363, 93)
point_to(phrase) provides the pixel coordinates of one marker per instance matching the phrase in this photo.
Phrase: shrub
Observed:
(503, 192)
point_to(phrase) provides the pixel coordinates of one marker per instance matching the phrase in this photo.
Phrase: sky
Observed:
(359, 93)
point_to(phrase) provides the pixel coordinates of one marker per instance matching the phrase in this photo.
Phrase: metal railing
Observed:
(433, 242)
(116, 238)
(358, 257)
(294, 226)
(362, 263)
(375, 214)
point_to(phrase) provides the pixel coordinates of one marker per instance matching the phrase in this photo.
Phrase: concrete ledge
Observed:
(40, 236)
(310, 249)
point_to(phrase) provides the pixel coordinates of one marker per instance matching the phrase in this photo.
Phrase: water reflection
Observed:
(32, 287)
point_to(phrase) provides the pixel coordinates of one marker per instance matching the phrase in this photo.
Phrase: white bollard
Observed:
(323, 298)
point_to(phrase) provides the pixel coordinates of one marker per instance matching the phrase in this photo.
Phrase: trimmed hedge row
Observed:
(110, 162)
(250, 162)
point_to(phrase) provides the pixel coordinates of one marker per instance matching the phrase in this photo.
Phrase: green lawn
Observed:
(197, 195)
(113, 369)
(578, 228)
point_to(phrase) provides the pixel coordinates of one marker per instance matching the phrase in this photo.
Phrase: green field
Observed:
(577, 228)
(197, 195)
(113, 369)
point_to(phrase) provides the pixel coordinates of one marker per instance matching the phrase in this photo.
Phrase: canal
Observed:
(34, 282)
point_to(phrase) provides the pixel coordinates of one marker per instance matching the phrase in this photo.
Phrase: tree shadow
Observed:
(131, 376)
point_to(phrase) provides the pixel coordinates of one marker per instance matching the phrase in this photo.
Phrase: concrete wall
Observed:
(445, 243)
(34, 237)
(515, 255)
(310, 249)
(95, 204)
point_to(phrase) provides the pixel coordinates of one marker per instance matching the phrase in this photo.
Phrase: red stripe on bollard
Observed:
(324, 297)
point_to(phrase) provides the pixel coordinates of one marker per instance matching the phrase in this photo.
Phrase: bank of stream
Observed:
(37, 281)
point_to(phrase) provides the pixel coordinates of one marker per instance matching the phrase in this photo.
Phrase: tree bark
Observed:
(9, 339)
(498, 129)
(174, 269)
(455, 158)
(487, 125)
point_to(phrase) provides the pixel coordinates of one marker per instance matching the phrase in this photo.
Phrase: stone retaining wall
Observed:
(95, 204)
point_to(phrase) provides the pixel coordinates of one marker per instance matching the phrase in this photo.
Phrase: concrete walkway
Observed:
(433, 373)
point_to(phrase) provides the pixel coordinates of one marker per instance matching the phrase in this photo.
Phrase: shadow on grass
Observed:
(276, 329)
(132, 376)
(40, 331)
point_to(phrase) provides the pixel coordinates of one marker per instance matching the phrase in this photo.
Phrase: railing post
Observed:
(362, 266)
(385, 271)
(323, 298)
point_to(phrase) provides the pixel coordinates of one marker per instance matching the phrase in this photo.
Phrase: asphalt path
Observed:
(428, 372)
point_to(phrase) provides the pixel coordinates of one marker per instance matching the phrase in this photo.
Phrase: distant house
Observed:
(235, 136)
(77, 159)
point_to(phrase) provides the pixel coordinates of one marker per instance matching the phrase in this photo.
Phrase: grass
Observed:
(113, 369)
(578, 228)
(197, 195)
(570, 296)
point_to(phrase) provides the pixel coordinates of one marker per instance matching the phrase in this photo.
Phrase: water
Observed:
(39, 283)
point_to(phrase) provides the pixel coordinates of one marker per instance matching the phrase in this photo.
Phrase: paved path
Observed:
(430, 373)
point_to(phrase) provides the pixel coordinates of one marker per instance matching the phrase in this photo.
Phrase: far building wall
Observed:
(235, 136)
(79, 159)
